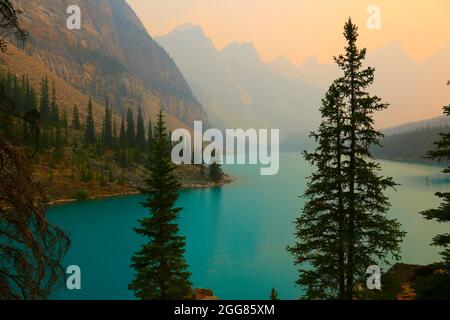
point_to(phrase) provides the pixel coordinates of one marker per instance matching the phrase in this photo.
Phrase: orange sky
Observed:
(298, 29)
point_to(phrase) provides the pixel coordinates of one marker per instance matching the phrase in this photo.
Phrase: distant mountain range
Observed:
(112, 57)
(412, 141)
(411, 145)
(238, 89)
(414, 90)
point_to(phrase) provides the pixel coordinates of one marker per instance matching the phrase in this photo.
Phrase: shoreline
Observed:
(190, 186)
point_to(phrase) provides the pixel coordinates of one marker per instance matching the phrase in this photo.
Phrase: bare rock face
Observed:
(112, 57)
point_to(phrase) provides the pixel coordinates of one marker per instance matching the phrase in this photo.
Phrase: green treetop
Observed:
(161, 270)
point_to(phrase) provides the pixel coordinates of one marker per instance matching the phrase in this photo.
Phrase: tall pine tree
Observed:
(320, 229)
(114, 127)
(90, 127)
(44, 102)
(149, 135)
(107, 129)
(140, 132)
(123, 135)
(371, 237)
(131, 132)
(76, 123)
(54, 110)
(344, 228)
(161, 269)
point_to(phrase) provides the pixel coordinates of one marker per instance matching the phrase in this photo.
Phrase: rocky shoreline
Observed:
(185, 186)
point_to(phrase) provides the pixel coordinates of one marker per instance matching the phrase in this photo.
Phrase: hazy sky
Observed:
(301, 28)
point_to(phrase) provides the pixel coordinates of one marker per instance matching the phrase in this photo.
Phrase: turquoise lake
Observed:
(236, 235)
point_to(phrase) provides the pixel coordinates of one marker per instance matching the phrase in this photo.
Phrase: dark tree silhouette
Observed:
(90, 126)
(437, 284)
(344, 228)
(161, 270)
(30, 248)
(107, 129)
(140, 132)
(76, 123)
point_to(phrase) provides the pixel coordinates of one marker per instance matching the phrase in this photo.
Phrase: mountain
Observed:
(415, 90)
(112, 57)
(238, 89)
(412, 141)
(283, 67)
(311, 71)
(202, 65)
(410, 145)
(286, 103)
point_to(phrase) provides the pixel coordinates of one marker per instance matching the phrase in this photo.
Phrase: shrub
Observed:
(81, 195)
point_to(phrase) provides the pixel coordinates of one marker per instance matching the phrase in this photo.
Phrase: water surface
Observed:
(236, 235)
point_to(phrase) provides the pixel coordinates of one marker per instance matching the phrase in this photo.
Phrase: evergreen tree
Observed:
(65, 126)
(114, 127)
(215, 172)
(320, 229)
(19, 92)
(140, 132)
(274, 295)
(161, 269)
(131, 132)
(438, 286)
(54, 111)
(76, 123)
(344, 228)
(44, 105)
(123, 135)
(90, 127)
(107, 130)
(30, 101)
(64, 120)
(149, 135)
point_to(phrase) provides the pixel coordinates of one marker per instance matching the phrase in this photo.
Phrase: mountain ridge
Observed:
(112, 57)
(239, 89)
(399, 80)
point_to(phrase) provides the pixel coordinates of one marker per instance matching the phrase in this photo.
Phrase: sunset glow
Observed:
(299, 29)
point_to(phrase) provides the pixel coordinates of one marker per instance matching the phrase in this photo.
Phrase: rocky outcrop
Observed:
(204, 294)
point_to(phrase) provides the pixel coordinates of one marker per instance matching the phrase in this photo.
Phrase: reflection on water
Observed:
(430, 181)
(236, 235)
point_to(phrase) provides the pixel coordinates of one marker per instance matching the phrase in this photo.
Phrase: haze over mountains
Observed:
(238, 89)
(414, 89)
(112, 57)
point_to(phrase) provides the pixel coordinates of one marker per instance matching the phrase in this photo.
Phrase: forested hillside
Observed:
(111, 57)
(90, 156)
(410, 146)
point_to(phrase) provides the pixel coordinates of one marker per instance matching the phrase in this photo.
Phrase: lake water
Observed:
(236, 235)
